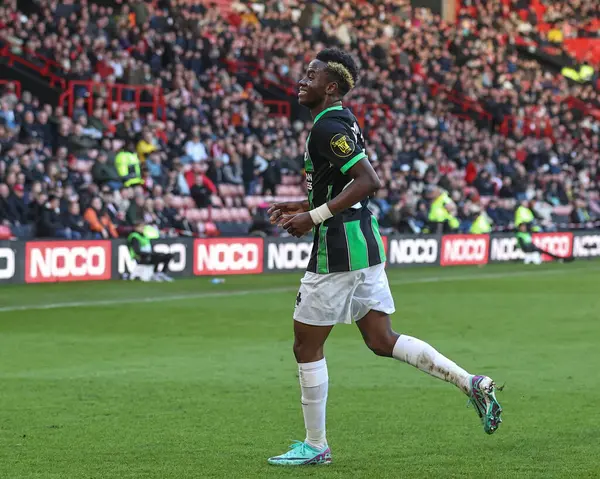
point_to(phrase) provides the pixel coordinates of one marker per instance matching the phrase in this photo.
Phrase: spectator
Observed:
(16, 211)
(200, 193)
(98, 220)
(149, 217)
(232, 171)
(194, 151)
(104, 173)
(484, 185)
(155, 169)
(579, 212)
(4, 192)
(49, 224)
(128, 166)
(146, 145)
(135, 212)
(73, 220)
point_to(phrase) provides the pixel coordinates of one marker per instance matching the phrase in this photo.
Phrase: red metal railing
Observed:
(586, 109)
(239, 66)
(376, 111)
(17, 85)
(472, 109)
(529, 126)
(44, 71)
(287, 85)
(117, 97)
(279, 108)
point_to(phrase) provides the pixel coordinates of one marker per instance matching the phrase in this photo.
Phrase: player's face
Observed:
(311, 89)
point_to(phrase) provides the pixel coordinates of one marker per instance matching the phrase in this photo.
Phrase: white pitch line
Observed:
(216, 294)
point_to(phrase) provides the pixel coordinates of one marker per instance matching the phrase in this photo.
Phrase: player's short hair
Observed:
(341, 66)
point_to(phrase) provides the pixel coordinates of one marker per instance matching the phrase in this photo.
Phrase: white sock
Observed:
(314, 382)
(421, 355)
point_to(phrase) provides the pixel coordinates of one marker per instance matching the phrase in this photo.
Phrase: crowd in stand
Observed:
(218, 132)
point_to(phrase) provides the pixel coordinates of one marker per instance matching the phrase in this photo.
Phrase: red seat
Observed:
(5, 233)
(251, 202)
(210, 229)
(244, 215)
(563, 210)
(226, 215)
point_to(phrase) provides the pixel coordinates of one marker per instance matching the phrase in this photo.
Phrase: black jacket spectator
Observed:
(49, 221)
(16, 211)
(73, 220)
(484, 185)
(200, 193)
(4, 192)
(103, 171)
(135, 212)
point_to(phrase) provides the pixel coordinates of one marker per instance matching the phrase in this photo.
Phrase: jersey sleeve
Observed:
(338, 143)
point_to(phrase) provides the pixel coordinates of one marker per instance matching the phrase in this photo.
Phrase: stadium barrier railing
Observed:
(43, 70)
(56, 261)
(119, 97)
(17, 85)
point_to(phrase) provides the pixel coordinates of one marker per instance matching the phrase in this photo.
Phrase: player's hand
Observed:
(277, 210)
(297, 225)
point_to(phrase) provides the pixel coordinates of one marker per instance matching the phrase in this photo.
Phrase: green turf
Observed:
(205, 386)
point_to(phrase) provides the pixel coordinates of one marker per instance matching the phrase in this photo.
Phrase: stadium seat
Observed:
(204, 214)
(244, 215)
(5, 233)
(210, 229)
(562, 210)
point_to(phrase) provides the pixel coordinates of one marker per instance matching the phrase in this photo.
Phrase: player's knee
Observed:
(381, 345)
(306, 353)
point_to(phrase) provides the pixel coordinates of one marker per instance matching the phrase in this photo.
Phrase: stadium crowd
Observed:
(84, 176)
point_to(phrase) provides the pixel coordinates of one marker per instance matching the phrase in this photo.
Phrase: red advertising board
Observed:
(464, 250)
(228, 256)
(560, 244)
(49, 261)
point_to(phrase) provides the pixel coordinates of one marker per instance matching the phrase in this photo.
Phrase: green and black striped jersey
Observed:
(350, 240)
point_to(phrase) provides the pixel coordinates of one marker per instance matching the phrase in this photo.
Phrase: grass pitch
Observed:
(193, 380)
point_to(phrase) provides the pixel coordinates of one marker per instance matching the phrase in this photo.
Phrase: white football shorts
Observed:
(328, 299)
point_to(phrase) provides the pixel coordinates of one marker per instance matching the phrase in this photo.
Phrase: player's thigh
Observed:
(372, 293)
(309, 341)
(325, 299)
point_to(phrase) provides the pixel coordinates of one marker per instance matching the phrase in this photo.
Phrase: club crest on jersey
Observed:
(342, 145)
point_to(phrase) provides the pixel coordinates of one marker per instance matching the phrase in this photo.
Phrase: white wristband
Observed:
(320, 214)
